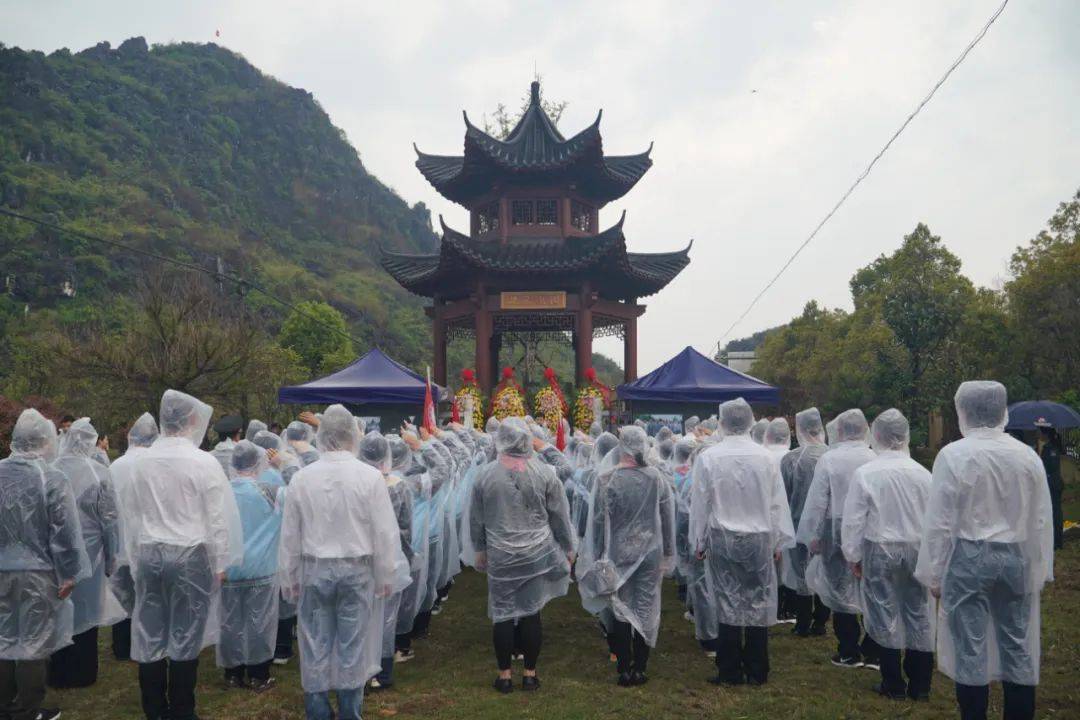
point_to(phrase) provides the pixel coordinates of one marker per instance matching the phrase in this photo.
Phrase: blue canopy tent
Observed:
(692, 384)
(375, 385)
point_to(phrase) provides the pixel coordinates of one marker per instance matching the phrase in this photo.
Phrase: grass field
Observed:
(451, 677)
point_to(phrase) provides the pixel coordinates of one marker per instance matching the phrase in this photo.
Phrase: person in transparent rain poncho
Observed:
(446, 563)
(739, 525)
(797, 468)
(141, 436)
(299, 436)
(338, 560)
(777, 438)
(181, 531)
(42, 557)
(375, 450)
(249, 595)
(690, 424)
(881, 532)
(605, 444)
(95, 605)
(692, 586)
(987, 551)
(519, 533)
(254, 427)
(433, 468)
(757, 432)
(629, 548)
(828, 574)
(409, 491)
(282, 464)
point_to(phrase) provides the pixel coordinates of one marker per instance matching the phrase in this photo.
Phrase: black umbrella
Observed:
(1032, 414)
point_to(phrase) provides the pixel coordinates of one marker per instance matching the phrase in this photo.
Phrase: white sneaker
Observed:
(687, 616)
(281, 661)
(404, 657)
(375, 684)
(711, 654)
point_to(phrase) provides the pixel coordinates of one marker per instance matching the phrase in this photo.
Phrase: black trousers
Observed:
(121, 640)
(444, 592)
(529, 637)
(283, 649)
(1059, 519)
(917, 665)
(22, 688)
(810, 613)
(421, 625)
(629, 647)
(743, 653)
(974, 700)
(403, 641)
(167, 688)
(76, 665)
(848, 632)
(258, 672)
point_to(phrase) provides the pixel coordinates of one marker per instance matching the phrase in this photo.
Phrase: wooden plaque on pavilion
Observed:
(535, 260)
(533, 300)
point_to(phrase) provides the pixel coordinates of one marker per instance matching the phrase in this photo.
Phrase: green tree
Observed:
(921, 295)
(318, 334)
(1044, 302)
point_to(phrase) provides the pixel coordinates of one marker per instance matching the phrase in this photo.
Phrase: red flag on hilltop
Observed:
(429, 406)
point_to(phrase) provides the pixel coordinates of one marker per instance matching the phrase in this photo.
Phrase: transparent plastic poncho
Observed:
(249, 598)
(606, 444)
(797, 468)
(630, 539)
(182, 528)
(337, 559)
(143, 433)
(882, 528)
(987, 545)
(41, 544)
(91, 485)
(827, 573)
(777, 438)
(517, 528)
(418, 483)
(739, 518)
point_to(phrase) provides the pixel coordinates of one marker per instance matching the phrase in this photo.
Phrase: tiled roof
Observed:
(602, 258)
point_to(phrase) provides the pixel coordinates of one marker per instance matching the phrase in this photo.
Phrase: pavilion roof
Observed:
(534, 151)
(602, 258)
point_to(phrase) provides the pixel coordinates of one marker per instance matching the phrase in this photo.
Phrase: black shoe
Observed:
(261, 686)
(728, 681)
(871, 663)
(234, 682)
(51, 714)
(530, 683)
(818, 630)
(799, 632)
(880, 690)
(625, 679)
(919, 696)
(846, 662)
(638, 678)
(754, 681)
(504, 685)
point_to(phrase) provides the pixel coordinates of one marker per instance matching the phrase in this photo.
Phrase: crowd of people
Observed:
(347, 543)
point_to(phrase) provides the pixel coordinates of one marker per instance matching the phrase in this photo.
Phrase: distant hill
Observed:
(190, 151)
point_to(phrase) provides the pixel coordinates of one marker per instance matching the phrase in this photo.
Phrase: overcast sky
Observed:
(762, 114)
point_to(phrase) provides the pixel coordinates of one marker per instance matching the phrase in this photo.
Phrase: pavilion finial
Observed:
(534, 92)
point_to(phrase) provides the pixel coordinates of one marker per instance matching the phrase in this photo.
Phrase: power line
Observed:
(866, 172)
(231, 277)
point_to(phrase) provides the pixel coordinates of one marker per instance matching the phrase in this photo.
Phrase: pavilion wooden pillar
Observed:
(630, 350)
(482, 327)
(583, 334)
(438, 342)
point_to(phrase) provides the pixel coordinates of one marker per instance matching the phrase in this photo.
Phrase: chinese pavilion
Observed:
(534, 261)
